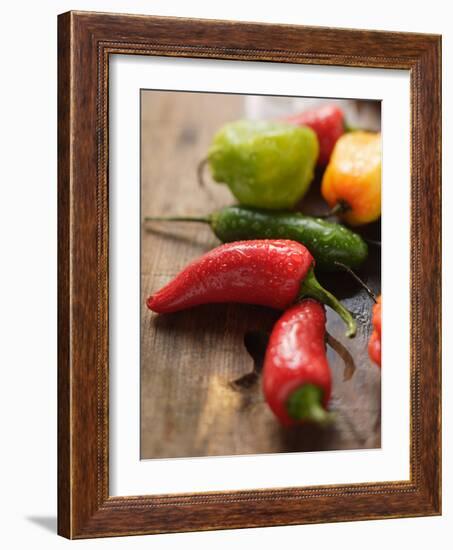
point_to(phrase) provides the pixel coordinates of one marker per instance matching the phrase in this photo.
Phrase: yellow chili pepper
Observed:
(352, 180)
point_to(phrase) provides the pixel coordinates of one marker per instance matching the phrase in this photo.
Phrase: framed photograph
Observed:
(235, 199)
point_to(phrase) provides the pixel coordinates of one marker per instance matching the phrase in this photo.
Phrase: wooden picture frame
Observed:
(85, 42)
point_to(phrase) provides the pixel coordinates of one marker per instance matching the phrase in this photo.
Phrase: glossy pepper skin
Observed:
(353, 177)
(265, 164)
(327, 121)
(297, 380)
(328, 242)
(374, 344)
(264, 272)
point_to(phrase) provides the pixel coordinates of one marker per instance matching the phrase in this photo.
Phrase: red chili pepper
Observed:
(374, 345)
(271, 273)
(327, 122)
(296, 376)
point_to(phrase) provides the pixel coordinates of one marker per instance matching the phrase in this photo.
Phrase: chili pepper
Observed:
(271, 273)
(296, 376)
(265, 164)
(327, 122)
(328, 242)
(374, 344)
(352, 180)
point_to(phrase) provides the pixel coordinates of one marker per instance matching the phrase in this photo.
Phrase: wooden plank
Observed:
(189, 359)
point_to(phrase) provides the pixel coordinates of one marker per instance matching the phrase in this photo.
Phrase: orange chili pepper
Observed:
(352, 180)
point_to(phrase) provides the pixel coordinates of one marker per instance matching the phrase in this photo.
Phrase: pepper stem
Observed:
(200, 171)
(311, 288)
(206, 219)
(374, 242)
(368, 290)
(340, 208)
(306, 404)
(351, 128)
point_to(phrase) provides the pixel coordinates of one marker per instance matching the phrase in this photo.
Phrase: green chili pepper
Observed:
(329, 243)
(265, 164)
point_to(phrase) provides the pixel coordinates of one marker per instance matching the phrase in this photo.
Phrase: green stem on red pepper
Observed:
(305, 404)
(273, 273)
(297, 381)
(312, 288)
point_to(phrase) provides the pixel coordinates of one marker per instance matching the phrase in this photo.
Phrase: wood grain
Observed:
(86, 40)
(64, 307)
(189, 406)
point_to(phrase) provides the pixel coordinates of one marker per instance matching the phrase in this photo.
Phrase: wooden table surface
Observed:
(190, 403)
